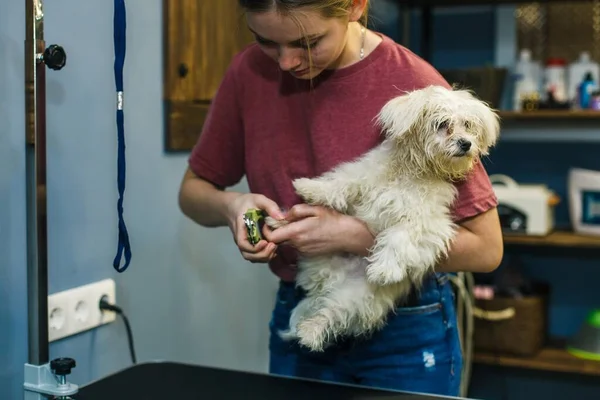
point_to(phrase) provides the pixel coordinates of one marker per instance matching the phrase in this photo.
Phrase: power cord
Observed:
(106, 306)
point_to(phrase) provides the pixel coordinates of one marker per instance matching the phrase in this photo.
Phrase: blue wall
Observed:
(13, 296)
(185, 283)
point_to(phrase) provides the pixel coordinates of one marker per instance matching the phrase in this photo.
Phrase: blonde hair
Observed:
(327, 8)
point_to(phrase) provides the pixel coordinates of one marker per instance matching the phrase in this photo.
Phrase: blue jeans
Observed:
(417, 351)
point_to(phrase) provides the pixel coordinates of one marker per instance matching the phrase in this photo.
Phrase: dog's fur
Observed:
(403, 190)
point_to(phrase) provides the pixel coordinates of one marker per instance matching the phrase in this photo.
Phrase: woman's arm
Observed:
(209, 206)
(478, 246)
(203, 203)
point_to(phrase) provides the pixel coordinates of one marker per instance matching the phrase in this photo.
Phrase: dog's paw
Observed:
(308, 189)
(275, 223)
(312, 333)
(311, 191)
(321, 192)
(288, 335)
(386, 274)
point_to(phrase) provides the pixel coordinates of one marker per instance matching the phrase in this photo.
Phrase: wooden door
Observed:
(200, 39)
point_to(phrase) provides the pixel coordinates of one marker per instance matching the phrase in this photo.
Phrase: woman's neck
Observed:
(359, 41)
(355, 40)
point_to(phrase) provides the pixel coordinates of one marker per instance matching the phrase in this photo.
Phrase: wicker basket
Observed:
(511, 326)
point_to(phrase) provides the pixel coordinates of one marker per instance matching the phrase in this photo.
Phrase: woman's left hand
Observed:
(316, 230)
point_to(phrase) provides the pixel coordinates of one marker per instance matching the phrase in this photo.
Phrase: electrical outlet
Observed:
(77, 310)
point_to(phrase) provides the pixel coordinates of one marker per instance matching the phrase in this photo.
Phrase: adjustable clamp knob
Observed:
(62, 366)
(54, 57)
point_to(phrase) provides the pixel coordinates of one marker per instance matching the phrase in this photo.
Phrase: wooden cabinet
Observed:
(200, 39)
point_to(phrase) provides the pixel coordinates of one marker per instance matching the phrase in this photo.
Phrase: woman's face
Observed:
(286, 39)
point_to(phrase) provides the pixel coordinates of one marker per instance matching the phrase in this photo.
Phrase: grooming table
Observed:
(169, 380)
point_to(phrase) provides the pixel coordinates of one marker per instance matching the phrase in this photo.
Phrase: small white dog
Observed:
(403, 190)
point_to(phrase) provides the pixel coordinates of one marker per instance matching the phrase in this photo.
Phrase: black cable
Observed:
(106, 306)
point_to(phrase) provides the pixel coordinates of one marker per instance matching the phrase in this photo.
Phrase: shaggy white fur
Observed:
(403, 190)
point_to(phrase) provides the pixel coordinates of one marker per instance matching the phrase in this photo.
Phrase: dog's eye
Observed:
(443, 125)
(468, 125)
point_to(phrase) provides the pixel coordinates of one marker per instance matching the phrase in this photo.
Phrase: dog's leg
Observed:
(313, 332)
(325, 324)
(299, 313)
(405, 251)
(386, 261)
(324, 192)
(357, 309)
(320, 277)
(334, 189)
(343, 307)
(310, 323)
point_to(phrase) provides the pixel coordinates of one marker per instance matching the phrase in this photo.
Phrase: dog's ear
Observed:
(490, 125)
(399, 114)
(487, 117)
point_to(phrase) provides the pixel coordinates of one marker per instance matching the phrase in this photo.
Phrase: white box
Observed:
(584, 201)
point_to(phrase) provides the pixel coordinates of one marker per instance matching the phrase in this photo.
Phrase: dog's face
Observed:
(446, 130)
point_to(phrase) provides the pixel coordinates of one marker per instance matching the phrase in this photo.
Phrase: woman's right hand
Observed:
(263, 251)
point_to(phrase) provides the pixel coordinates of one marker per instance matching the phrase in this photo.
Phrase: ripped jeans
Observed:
(417, 351)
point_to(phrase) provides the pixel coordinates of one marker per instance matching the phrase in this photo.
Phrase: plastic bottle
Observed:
(577, 72)
(526, 78)
(595, 101)
(585, 90)
(555, 79)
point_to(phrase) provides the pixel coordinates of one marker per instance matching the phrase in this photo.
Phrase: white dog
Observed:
(403, 190)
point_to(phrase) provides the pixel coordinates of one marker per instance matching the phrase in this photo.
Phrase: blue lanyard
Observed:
(119, 38)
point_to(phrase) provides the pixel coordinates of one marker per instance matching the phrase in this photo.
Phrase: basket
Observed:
(511, 326)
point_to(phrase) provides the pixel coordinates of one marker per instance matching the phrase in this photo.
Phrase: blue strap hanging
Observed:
(119, 39)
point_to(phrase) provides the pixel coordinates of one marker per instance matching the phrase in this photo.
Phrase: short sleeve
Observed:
(475, 194)
(218, 155)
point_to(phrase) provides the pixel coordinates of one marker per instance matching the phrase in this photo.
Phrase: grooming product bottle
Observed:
(526, 78)
(555, 79)
(586, 88)
(577, 72)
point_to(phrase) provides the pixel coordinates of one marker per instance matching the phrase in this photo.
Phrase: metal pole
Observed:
(35, 126)
(40, 375)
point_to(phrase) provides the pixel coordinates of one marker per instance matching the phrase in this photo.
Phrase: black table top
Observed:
(169, 380)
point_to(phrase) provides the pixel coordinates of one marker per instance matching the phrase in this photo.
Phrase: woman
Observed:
(298, 102)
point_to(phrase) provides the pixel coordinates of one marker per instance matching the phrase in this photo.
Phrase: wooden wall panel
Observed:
(200, 39)
(559, 29)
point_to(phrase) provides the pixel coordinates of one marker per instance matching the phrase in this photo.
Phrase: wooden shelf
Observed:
(549, 359)
(555, 239)
(550, 114)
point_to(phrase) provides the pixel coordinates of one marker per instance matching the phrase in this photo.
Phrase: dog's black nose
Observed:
(464, 145)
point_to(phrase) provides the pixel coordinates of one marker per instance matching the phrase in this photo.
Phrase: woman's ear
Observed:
(357, 9)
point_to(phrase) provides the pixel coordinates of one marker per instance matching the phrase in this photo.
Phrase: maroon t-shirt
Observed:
(272, 128)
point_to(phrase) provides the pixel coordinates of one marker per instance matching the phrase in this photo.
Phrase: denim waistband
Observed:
(430, 291)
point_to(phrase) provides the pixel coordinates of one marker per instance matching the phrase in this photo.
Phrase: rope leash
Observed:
(120, 25)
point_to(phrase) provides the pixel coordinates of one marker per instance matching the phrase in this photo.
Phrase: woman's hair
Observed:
(327, 8)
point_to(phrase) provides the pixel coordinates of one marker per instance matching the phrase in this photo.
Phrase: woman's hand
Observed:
(316, 230)
(263, 251)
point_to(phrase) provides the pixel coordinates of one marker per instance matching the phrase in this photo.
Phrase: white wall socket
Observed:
(77, 310)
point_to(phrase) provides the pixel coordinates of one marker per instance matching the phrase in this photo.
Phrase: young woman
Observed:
(298, 102)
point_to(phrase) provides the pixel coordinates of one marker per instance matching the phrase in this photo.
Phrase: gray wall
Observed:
(188, 293)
